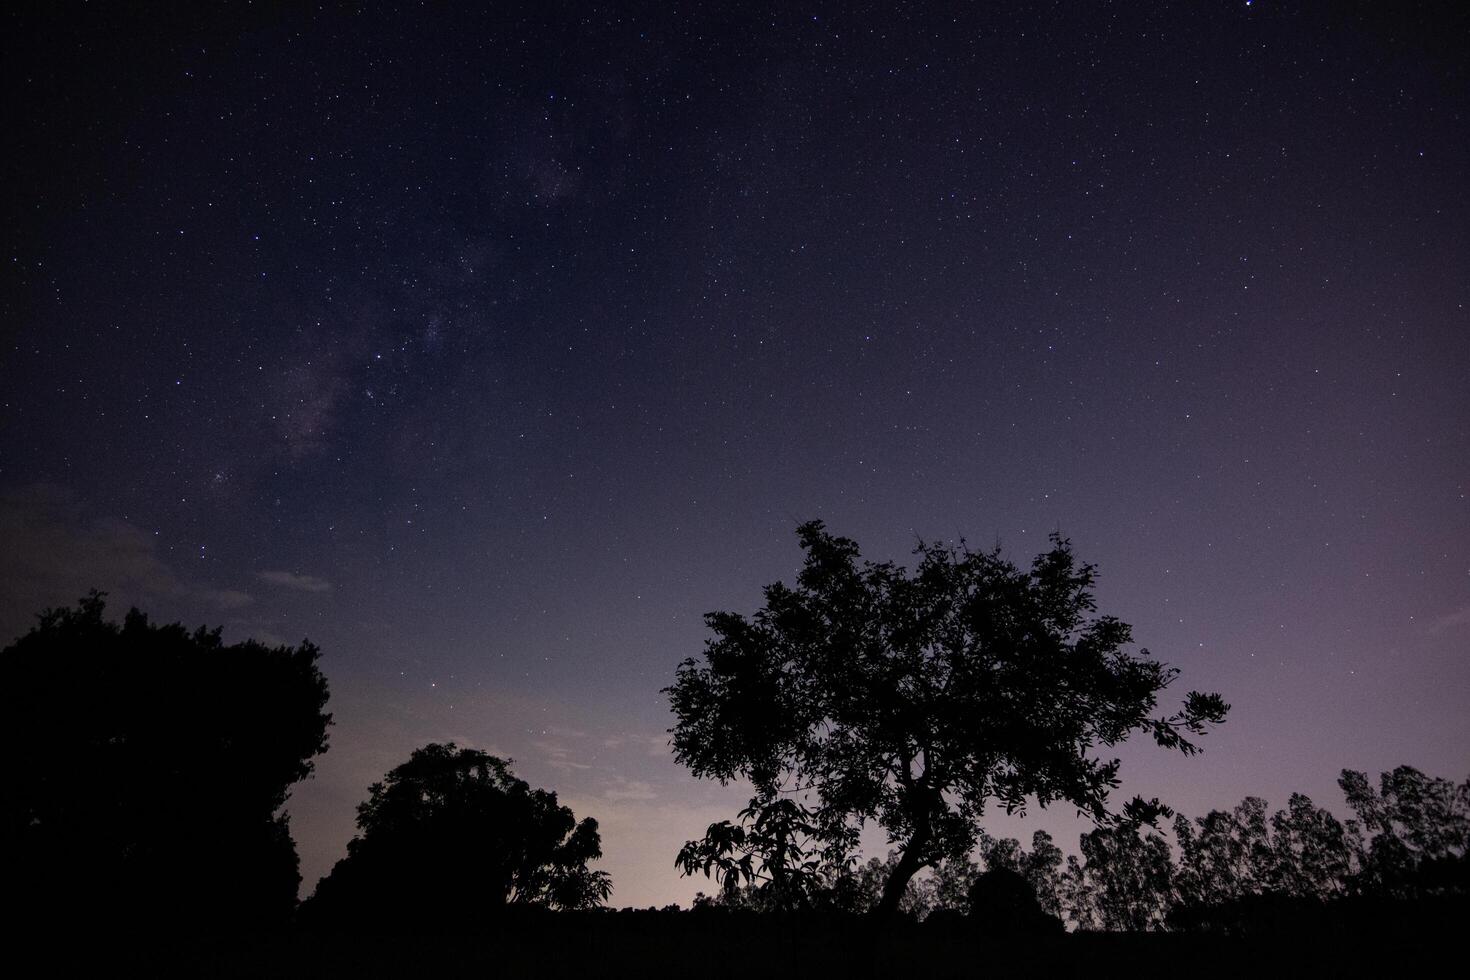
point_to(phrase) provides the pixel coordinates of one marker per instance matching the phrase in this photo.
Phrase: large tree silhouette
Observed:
(145, 767)
(452, 835)
(913, 699)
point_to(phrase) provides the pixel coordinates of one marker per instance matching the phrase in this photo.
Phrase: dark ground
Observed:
(716, 944)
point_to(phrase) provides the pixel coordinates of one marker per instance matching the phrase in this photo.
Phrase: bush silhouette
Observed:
(452, 835)
(145, 768)
(1003, 902)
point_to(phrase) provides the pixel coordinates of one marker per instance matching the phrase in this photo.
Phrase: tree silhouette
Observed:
(146, 765)
(778, 836)
(1224, 855)
(452, 835)
(1041, 866)
(860, 887)
(1126, 879)
(948, 886)
(1413, 818)
(912, 700)
(1312, 853)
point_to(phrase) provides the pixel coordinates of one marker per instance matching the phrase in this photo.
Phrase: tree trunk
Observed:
(918, 797)
(903, 872)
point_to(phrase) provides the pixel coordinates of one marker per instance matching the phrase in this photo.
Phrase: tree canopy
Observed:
(146, 765)
(452, 834)
(914, 698)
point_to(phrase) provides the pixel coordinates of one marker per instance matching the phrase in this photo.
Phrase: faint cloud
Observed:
(301, 583)
(558, 756)
(1460, 617)
(656, 746)
(227, 598)
(629, 789)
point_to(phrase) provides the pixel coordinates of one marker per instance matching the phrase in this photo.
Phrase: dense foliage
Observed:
(452, 835)
(146, 767)
(911, 700)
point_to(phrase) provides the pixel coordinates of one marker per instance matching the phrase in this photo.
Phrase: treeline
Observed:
(148, 766)
(1229, 870)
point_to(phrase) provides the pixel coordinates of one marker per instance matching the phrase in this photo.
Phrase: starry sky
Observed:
(490, 349)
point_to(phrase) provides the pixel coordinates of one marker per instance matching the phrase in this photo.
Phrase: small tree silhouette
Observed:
(452, 835)
(768, 859)
(145, 767)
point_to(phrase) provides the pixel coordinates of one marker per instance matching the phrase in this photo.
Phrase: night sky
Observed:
(490, 350)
